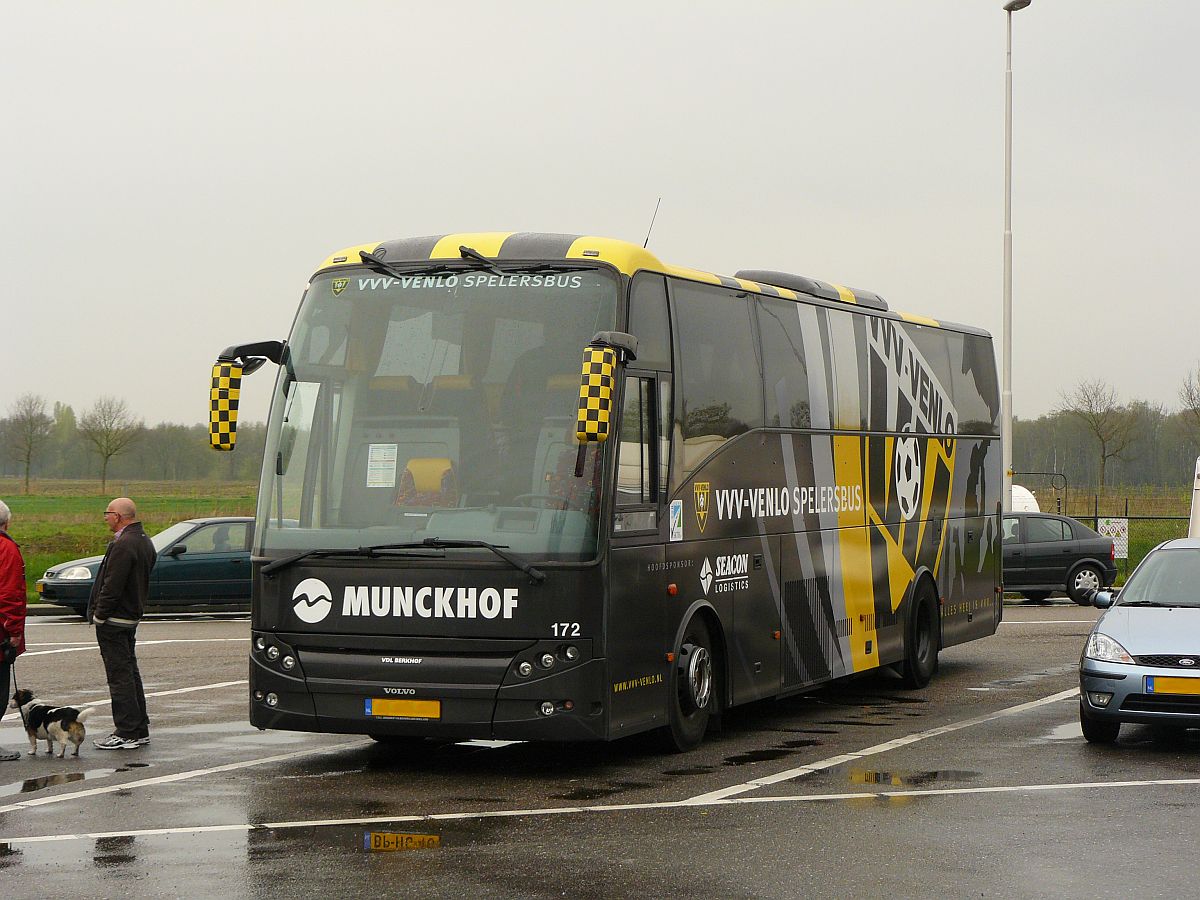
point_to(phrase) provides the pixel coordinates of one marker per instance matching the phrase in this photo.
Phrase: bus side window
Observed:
(638, 433)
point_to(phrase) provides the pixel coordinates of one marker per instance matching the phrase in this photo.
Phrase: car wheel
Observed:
(921, 648)
(691, 697)
(1036, 596)
(1097, 731)
(1086, 578)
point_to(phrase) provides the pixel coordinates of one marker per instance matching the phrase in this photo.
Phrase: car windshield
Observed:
(1165, 578)
(168, 536)
(437, 404)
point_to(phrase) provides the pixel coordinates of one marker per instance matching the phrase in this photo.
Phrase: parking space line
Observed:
(809, 768)
(610, 808)
(139, 643)
(178, 776)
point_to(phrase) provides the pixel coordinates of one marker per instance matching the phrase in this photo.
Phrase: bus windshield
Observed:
(438, 404)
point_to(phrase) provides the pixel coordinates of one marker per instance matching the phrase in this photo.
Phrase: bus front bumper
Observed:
(440, 697)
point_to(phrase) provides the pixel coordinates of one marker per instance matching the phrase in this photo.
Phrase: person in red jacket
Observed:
(12, 611)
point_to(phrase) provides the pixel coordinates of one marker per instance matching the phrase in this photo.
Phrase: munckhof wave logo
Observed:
(313, 601)
(706, 576)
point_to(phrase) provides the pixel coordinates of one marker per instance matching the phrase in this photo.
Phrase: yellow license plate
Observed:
(403, 709)
(1163, 684)
(40, 587)
(391, 841)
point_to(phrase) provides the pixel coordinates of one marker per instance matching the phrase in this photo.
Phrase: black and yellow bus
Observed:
(537, 486)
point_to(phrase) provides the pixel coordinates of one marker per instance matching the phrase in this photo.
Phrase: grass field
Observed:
(62, 520)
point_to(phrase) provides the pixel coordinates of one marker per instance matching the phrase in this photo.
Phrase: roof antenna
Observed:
(651, 228)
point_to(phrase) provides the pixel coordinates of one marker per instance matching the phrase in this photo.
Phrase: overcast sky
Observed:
(173, 172)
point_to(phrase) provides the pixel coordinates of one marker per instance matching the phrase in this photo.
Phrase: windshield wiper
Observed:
(545, 268)
(319, 553)
(471, 253)
(1147, 603)
(429, 543)
(378, 265)
(436, 543)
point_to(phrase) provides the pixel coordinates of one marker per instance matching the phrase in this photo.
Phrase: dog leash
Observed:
(12, 668)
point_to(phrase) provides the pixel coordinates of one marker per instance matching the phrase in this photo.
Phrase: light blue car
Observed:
(1142, 659)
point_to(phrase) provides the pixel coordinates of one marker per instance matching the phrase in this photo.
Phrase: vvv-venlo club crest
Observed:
(701, 489)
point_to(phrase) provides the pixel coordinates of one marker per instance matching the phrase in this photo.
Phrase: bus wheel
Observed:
(921, 648)
(692, 695)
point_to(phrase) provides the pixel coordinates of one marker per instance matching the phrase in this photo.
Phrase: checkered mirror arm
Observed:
(595, 395)
(223, 405)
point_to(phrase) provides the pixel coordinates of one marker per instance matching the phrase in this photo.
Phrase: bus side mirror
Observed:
(231, 365)
(595, 395)
(223, 405)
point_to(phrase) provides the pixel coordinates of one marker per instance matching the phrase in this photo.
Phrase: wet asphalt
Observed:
(979, 785)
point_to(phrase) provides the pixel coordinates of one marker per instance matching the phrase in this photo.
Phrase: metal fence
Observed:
(1145, 533)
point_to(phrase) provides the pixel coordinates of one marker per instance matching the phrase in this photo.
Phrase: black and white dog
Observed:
(52, 724)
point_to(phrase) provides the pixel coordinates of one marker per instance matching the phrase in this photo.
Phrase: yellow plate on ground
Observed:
(1164, 684)
(403, 709)
(390, 841)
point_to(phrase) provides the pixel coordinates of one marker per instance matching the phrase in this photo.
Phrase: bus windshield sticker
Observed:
(381, 466)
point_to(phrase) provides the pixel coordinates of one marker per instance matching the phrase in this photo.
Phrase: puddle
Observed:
(854, 722)
(754, 756)
(803, 742)
(907, 779)
(692, 770)
(1071, 731)
(113, 852)
(31, 785)
(599, 793)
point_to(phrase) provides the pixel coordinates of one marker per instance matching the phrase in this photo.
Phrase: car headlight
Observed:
(1102, 647)
(76, 573)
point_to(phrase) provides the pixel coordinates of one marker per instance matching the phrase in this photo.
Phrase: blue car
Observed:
(1142, 659)
(201, 562)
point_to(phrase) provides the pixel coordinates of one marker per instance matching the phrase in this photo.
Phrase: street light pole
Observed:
(1006, 391)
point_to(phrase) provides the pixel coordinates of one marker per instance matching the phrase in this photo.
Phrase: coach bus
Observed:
(534, 486)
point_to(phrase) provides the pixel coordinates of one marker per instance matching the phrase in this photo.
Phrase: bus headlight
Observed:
(272, 699)
(547, 708)
(547, 661)
(272, 653)
(525, 668)
(289, 662)
(260, 644)
(571, 652)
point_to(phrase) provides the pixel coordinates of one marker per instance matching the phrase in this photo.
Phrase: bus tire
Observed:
(922, 644)
(692, 695)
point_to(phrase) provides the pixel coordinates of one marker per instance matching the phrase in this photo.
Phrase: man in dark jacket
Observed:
(12, 612)
(115, 608)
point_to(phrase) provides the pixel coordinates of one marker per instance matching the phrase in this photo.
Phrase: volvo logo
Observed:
(1187, 661)
(313, 602)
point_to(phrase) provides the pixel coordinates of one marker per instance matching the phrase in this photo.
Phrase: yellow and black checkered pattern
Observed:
(595, 395)
(223, 407)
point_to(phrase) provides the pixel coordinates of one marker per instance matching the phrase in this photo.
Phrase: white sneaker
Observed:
(116, 742)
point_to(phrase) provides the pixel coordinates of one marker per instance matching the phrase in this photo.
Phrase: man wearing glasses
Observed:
(115, 607)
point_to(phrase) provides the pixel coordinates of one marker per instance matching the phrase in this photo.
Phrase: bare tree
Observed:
(1189, 396)
(109, 427)
(1112, 424)
(29, 428)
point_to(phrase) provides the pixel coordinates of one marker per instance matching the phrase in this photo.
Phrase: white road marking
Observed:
(572, 810)
(809, 768)
(178, 776)
(1054, 622)
(139, 643)
(186, 690)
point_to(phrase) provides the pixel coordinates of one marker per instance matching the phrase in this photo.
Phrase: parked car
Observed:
(1044, 553)
(200, 562)
(1141, 662)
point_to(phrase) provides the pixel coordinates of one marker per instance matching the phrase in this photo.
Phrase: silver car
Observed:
(1142, 659)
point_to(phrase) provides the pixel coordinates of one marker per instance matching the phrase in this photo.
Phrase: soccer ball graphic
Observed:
(908, 476)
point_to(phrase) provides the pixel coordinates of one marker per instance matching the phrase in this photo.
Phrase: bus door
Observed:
(641, 612)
